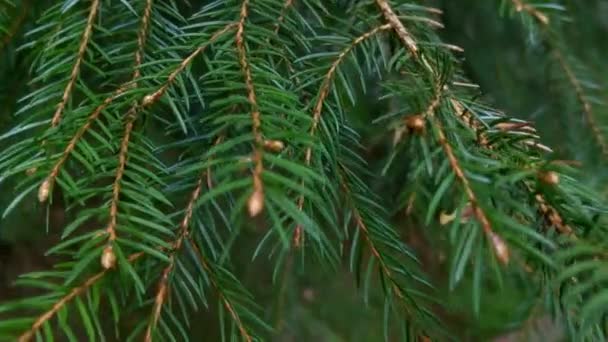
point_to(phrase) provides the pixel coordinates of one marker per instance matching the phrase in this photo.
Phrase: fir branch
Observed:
(256, 200)
(360, 223)
(286, 6)
(163, 288)
(539, 16)
(49, 182)
(148, 100)
(500, 247)
(84, 41)
(151, 98)
(222, 296)
(63, 301)
(582, 99)
(403, 34)
(318, 108)
(543, 21)
(130, 120)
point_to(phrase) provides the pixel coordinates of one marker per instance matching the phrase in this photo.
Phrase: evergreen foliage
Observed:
(322, 136)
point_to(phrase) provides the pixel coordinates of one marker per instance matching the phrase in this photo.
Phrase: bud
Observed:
(148, 100)
(500, 248)
(43, 190)
(108, 258)
(549, 177)
(415, 124)
(274, 145)
(256, 202)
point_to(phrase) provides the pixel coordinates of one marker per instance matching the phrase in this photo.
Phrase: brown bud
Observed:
(500, 248)
(148, 100)
(43, 190)
(108, 258)
(274, 145)
(256, 202)
(549, 177)
(415, 124)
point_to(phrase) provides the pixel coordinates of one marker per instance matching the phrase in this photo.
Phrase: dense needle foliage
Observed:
(189, 144)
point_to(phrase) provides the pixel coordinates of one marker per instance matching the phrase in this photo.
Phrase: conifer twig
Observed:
(256, 200)
(500, 247)
(535, 13)
(571, 77)
(584, 103)
(130, 119)
(222, 297)
(403, 34)
(84, 41)
(360, 223)
(318, 108)
(163, 288)
(286, 5)
(75, 292)
(151, 98)
(148, 100)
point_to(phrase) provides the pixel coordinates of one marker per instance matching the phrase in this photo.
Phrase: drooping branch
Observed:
(148, 100)
(584, 103)
(84, 41)
(163, 287)
(286, 6)
(403, 34)
(129, 121)
(63, 301)
(544, 23)
(222, 296)
(318, 108)
(151, 98)
(498, 244)
(256, 200)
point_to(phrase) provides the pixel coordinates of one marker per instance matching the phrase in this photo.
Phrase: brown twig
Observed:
(235, 316)
(585, 104)
(500, 247)
(148, 100)
(130, 120)
(543, 20)
(286, 5)
(256, 200)
(318, 108)
(156, 95)
(406, 38)
(536, 14)
(360, 223)
(84, 41)
(163, 288)
(75, 292)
